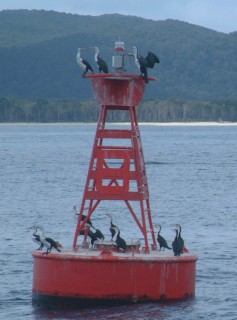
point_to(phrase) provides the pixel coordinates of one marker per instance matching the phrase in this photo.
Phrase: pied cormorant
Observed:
(144, 63)
(84, 64)
(102, 65)
(161, 241)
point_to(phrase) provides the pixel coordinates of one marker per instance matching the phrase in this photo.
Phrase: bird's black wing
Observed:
(87, 64)
(102, 65)
(151, 59)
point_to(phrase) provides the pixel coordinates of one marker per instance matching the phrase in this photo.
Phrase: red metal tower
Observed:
(117, 172)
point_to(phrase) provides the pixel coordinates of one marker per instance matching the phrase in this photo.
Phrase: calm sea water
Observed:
(192, 173)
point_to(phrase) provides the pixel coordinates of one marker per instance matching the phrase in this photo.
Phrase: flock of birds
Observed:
(43, 241)
(142, 62)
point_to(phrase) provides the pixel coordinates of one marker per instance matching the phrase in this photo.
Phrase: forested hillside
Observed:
(41, 110)
(38, 50)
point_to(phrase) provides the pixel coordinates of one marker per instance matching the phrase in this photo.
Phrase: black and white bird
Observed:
(47, 242)
(177, 244)
(121, 243)
(84, 64)
(36, 238)
(161, 241)
(97, 235)
(102, 65)
(144, 63)
(178, 226)
(112, 227)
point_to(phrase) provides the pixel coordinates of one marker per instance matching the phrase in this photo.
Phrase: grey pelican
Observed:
(84, 64)
(102, 65)
(144, 63)
(162, 242)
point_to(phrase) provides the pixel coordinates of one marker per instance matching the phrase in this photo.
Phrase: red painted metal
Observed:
(103, 273)
(116, 92)
(134, 277)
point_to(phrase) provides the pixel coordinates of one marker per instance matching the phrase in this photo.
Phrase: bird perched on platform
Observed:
(177, 244)
(112, 226)
(36, 238)
(184, 249)
(47, 242)
(121, 243)
(102, 65)
(144, 63)
(84, 64)
(161, 241)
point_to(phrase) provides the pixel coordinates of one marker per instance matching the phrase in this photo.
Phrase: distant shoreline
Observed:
(194, 124)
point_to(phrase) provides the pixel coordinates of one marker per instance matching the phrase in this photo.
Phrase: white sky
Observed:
(219, 15)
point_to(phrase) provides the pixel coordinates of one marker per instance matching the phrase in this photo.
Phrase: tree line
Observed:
(173, 110)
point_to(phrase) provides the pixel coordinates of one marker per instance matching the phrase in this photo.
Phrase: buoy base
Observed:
(106, 277)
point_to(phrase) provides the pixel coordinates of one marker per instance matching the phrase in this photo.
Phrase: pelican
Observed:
(162, 242)
(83, 63)
(102, 65)
(144, 63)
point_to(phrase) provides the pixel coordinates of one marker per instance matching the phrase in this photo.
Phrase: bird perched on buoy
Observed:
(111, 229)
(161, 241)
(97, 235)
(144, 63)
(121, 243)
(177, 244)
(36, 238)
(48, 242)
(84, 64)
(184, 249)
(102, 65)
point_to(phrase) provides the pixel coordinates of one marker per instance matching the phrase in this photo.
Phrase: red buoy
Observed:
(141, 273)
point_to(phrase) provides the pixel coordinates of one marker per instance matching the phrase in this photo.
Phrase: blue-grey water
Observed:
(192, 173)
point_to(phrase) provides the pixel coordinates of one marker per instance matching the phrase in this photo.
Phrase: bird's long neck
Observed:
(117, 234)
(135, 54)
(176, 236)
(34, 234)
(179, 231)
(97, 52)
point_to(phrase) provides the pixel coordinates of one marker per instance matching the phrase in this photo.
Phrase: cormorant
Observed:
(102, 65)
(83, 216)
(162, 242)
(121, 243)
(36, 238)
(179, 236)
(144, 63)
(95, 235)
(176, 244)
(47, 242)
(112, 226)
(83, 63)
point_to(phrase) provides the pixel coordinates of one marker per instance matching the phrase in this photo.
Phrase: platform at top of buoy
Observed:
(118, 76)
(118, 89)
(105, 250)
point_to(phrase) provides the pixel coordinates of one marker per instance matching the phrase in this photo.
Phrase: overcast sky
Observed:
(220, 15)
